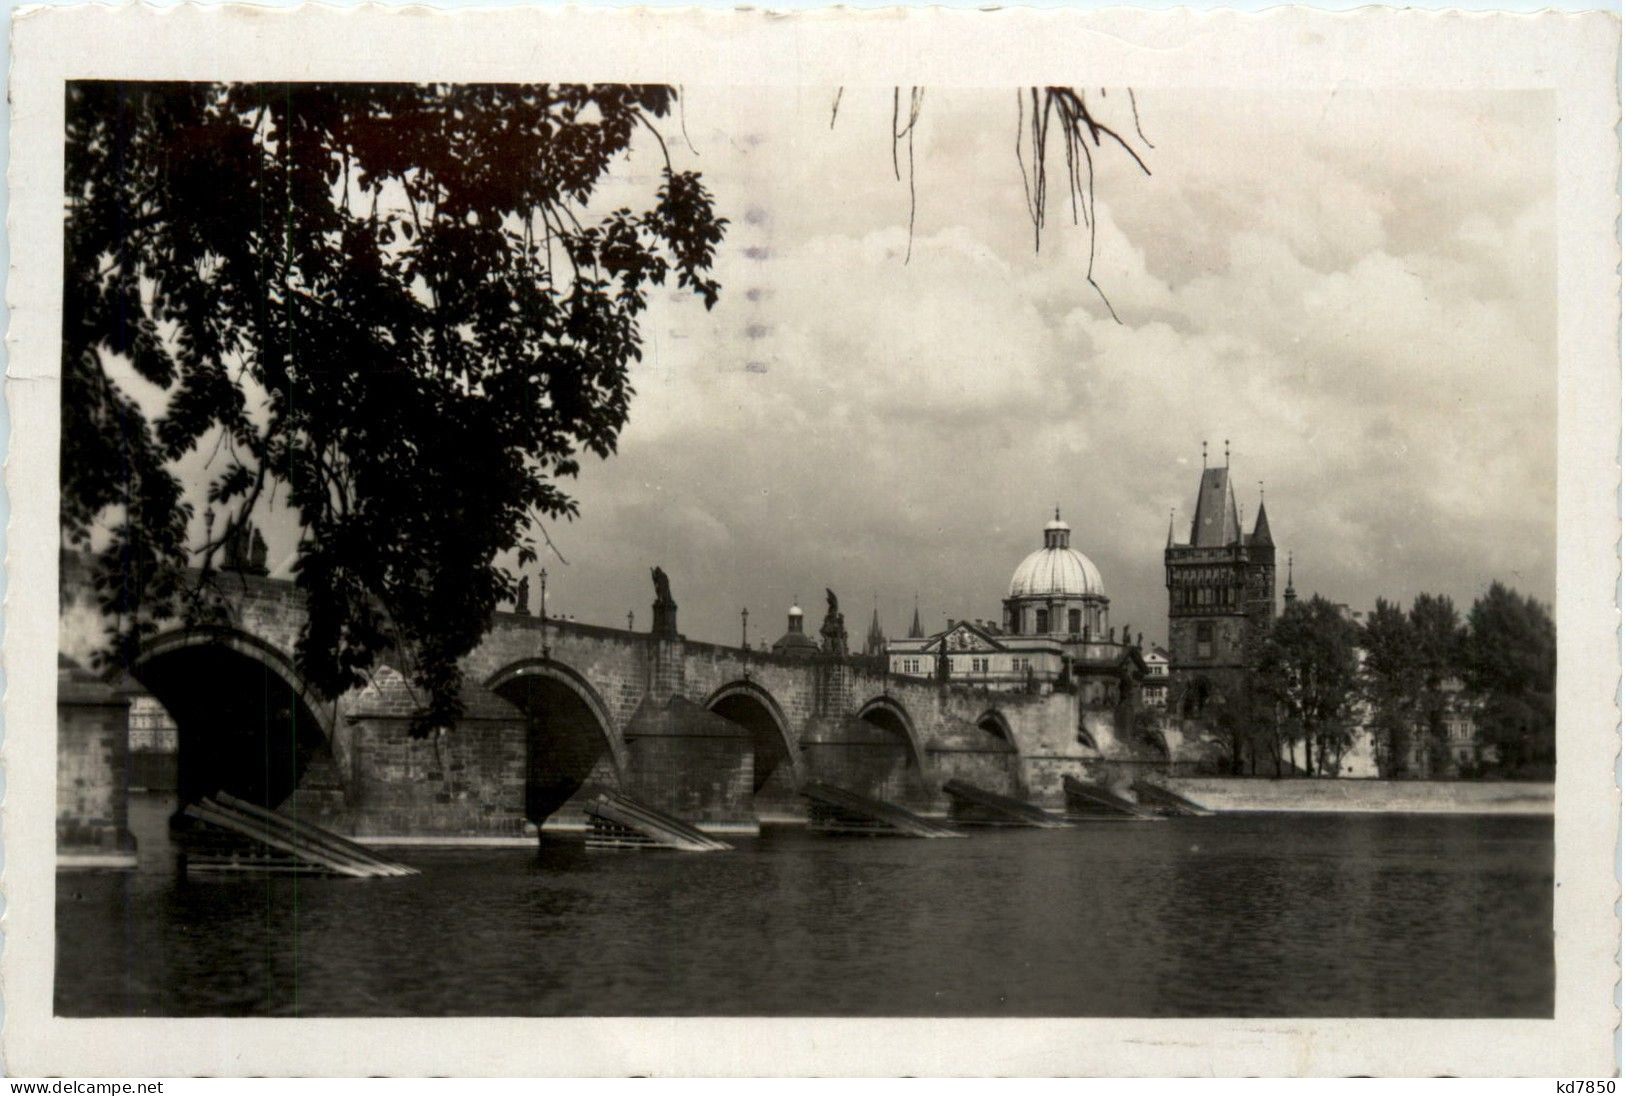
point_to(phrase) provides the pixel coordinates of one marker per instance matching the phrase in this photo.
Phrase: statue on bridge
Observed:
(834, 629)
(244, 549)
(521, 597)
(665, 609)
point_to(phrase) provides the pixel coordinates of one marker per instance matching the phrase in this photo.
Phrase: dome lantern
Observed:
(1057, 569)
(1057, 534)
(795, 641)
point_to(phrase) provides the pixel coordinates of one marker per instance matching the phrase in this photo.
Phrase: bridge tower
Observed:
(1221, 598)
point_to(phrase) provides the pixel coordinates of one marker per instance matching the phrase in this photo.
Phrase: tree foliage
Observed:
(1308, 666)
(396, 304)
(1436, 630)
(1410, 681)
(1391, 680)
(1510, 658)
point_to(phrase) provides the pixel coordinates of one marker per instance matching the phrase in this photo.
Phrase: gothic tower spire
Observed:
(875, 644)
(1261, 527)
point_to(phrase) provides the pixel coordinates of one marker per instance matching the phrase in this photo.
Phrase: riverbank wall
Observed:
(1304, 795)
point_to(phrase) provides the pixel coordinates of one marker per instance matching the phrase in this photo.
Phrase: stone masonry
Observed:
(557, 712)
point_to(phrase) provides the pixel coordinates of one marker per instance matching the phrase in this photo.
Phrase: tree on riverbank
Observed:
(1391, 685)
(1437, 632)
(1308, 667)
(395, 304)
(1411, 661)
(1509, 656)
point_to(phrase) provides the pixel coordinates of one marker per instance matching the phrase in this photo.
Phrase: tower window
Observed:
(1074, 621)
(1204, 641)
(1042, 617)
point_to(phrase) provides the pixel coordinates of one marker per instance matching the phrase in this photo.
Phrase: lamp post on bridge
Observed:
(744, 629)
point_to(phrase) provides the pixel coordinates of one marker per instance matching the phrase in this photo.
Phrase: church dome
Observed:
(795, 641)
(1057, 569)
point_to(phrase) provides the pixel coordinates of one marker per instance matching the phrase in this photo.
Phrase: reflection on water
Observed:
(1263, 915)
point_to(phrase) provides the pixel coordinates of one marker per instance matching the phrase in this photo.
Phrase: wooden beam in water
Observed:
(621, 822)
(1095, 802)
(836, 810)
(1166, 800)
(307, 845)
(973, 806)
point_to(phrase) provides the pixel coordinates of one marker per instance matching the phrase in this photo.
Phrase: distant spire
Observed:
(914, 630)
(1057, 511)
(1289, 595)
(1227, 452)
(1170, 527)
(1204, 454)
(876, 643)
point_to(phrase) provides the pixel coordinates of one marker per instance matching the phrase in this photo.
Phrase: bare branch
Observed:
(1136, 108)
(682, 119)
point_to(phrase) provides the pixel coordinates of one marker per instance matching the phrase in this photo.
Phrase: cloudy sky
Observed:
(1357, 290)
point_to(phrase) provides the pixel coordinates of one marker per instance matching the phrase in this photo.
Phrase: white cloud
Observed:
(1357, 290)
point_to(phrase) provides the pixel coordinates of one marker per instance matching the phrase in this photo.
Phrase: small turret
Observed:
(875, 644)
(795, 641)
(1261, 527)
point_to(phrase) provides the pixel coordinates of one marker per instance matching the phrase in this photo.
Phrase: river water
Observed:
(1239, 915)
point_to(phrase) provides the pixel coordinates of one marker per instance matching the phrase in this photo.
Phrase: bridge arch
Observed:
(247, 723)
(569, 730)
(887, 713)
(994, 723)
(754, 708)
(1155, 741)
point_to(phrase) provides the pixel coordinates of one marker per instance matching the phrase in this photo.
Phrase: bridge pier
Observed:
(693, 764)
(868, 758)
(466, 781)
(92, 772)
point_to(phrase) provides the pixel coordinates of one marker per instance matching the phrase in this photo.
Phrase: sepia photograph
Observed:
(827, 549)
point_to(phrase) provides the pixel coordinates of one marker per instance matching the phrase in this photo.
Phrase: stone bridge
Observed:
(555, 711)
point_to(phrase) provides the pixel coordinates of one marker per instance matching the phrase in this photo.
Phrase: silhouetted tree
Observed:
(1437, 631)
(1510, 659)
(1391, 684)
(1243, 726)
(398, 305)
(1308, 662)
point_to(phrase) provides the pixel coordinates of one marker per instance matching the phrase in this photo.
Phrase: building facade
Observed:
(1055, 632)
(1154, 689)
(1221, 600)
